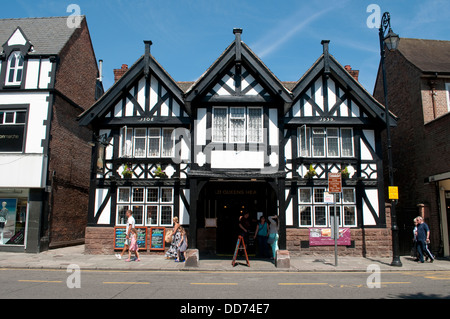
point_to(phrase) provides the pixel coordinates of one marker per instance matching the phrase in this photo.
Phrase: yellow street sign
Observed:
(393, 192)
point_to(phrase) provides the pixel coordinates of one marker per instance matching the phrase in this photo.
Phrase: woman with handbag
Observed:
(273, 235)
(176, 237)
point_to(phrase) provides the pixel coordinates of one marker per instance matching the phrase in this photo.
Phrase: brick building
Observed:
(239, 140)
(418, 76)
(48, 77)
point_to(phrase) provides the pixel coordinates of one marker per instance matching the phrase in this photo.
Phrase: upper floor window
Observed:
(14, 72)
(12, 130)
(325, 142)
(237, 124)
(143, 142)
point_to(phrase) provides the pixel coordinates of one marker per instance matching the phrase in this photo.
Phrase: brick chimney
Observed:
(354, 73)
(118, 73)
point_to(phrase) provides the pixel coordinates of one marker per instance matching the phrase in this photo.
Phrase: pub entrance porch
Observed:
(221, 204)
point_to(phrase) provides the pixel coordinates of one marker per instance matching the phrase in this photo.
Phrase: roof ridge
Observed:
(40, 18)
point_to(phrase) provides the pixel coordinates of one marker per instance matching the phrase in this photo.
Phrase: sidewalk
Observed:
(61, 258)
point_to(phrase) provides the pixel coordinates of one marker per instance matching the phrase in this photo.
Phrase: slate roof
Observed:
(427, 55)
(47, 35)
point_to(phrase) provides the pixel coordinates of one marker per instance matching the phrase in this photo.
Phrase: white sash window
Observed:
(154, 140)
(329, 142)
(220, 124)
(255, 125)
(14, 73)
(168, 143)
(237, 125)
(142, 142)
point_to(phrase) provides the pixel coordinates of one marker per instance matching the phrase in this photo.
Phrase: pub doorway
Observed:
(224, 203)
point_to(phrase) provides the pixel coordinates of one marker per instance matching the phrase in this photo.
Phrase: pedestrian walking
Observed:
(262, 233)
(131, 222)
(414, 252)
(134, 247)
(176, 237)
(423, 239)
(244, 229)
(273, 235)
(182, 246)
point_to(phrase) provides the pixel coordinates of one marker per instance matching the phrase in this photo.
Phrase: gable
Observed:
(134, 103)
(238, 76)
(17, 38)
(328, 93)
(137, 98)
(238, 83)
(327, 100)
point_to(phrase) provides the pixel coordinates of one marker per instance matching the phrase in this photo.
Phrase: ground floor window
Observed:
(13, 216)
(315, 212)
(151, 206)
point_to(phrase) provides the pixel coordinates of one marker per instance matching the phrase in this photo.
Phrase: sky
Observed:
(189, 35)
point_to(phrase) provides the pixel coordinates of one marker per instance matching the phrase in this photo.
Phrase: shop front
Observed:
(222, 204)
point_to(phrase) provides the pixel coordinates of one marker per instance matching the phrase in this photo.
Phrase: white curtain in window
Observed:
(220, 124)
(347, 142)
(318, 142)
(153, 142)
(237, 125)
(140, 136)
(255, 125)
(167, 143)
(333, 142)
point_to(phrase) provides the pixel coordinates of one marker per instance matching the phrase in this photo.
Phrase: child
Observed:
(182, 245)
(133, 245)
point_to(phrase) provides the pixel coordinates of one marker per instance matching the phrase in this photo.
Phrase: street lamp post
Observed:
(390, 41)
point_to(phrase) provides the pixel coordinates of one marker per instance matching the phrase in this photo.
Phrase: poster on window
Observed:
(322, 237)
(11, 138)
(8, 210)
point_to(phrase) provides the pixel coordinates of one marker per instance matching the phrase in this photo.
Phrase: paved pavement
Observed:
(63, 257)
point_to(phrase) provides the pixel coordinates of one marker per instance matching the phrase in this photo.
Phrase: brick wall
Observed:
(69, 171)
(100, 241)
(69, 152)
(78, 71)
(434, 98)
(420, 144)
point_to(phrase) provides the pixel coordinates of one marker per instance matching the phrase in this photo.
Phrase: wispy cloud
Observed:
(288, 28)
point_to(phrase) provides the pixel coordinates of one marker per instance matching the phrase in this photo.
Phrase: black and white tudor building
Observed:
(237, 140)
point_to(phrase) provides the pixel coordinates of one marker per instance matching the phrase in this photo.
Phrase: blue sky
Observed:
(188, 35)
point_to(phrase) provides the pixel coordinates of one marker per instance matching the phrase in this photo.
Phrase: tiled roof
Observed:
(427, 55)
(47, 35)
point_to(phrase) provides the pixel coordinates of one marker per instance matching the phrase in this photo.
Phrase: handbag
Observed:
(169, 235)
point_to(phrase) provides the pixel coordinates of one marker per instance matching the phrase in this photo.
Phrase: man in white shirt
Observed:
(130, 224)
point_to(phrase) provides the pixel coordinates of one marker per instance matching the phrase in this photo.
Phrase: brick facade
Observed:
(420, 142)
(69, 152)
(100, 241)
(69, 168)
